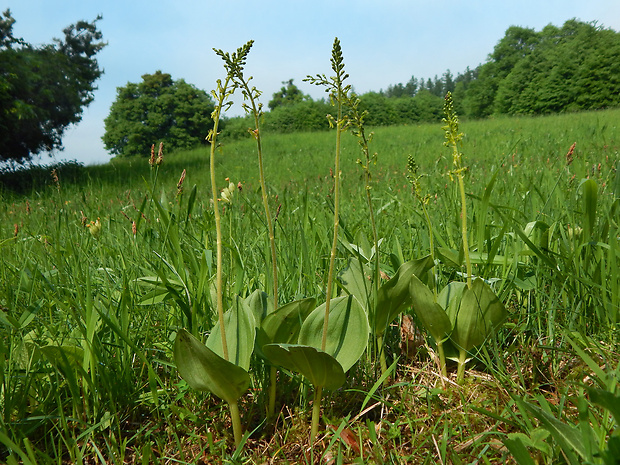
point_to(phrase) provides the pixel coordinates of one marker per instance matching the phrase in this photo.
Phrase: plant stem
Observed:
(382, 360)
(453, 139)
(434, 275)
(460, 373)
(270, 226)
(376, 281)
(316, 413)
(363, 141)
(442, 359)
(271, 407)
(251, 95)
(430, 236)
(236, 421)
(222, 94)
(464, 227)
(255, 110)
(339, 96)
(332, 255)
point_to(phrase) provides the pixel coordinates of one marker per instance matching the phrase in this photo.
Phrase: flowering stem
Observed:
(316, 413)
(464, 228)
(263, 186)
(332, 255)
(339, 94)
(453, 139)
(222, 94)
(460, 372)
(236, 421)
(252, 94)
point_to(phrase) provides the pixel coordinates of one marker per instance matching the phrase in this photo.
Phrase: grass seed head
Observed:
(180, 183)
(569, 155)
(55, 179)
(152, 159)
(160, 154)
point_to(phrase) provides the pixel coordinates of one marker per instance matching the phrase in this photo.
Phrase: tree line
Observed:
(44, 89)
(575, 67)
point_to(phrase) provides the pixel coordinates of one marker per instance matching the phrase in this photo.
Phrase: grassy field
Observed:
(103, 265)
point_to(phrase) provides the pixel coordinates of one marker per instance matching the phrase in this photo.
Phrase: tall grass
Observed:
(86, 319)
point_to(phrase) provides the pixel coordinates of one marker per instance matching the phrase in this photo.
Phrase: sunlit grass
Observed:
(86, 346)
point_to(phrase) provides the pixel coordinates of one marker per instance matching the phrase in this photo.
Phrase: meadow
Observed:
(103, 266)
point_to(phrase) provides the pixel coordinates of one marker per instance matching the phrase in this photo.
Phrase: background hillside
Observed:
(570, 68)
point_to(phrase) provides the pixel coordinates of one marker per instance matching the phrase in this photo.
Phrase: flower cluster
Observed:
(95, 228)
(228, 192)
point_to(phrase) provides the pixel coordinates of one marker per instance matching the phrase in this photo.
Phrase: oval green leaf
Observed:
(283, 325)
(394, 296)
(450, 298)
(479, 314)
(204, 370)
(347, 330)
(318, 367)
(258, 302)
(356, 281)
(240, 331)
(432, 316)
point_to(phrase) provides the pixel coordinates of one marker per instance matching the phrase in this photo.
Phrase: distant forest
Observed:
(558, 69)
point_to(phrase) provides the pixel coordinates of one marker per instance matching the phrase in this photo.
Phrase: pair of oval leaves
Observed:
(466, 316)
(290, 337)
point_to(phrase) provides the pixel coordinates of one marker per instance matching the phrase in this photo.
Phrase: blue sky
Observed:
(384, 42)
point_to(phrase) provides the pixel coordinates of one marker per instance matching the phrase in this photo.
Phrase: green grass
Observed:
(86, 331)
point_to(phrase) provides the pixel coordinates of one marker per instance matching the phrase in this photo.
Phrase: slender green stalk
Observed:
(338, 94)
(460, 372)
(271, 406)
(431, 240)
(442, 359)
(270, 225)
(464, 226)
(255, 109)
(221, 95)
(236, 421)
(332, 255)
(357, 120)
(453, 140)
(232, 63)
(382, 360)
(316, 413)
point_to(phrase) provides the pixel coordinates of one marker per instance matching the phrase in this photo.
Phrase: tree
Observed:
(394, 91)
(400, 90)
(289, 94)
(379, 107)
(158, 109)
(448, 83)
(44, 89)
(571, 68)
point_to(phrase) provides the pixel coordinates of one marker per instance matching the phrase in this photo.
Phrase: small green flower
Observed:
(95, 228)
(228, 192)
